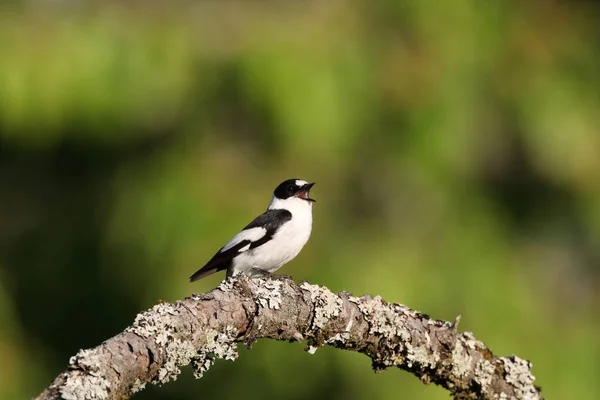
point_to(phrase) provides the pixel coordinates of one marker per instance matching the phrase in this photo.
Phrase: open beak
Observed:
(304, 192)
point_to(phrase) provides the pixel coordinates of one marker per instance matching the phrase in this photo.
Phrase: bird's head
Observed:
(294, 188)
(290, 192)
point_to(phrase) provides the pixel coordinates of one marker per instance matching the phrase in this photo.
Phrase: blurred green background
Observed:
(455, 146)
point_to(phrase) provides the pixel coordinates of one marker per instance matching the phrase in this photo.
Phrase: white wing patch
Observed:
(246, 247)
(252, 234)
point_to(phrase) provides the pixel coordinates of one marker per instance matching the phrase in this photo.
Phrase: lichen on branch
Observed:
(206, 327)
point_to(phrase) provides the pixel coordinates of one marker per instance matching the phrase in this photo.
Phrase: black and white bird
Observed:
(274, 238)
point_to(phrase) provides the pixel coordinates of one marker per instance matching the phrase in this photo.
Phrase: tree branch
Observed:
(208, 326)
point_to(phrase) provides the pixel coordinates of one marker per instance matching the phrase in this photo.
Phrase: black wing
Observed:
(270, 221)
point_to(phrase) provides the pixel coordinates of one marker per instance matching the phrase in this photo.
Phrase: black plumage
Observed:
(270, 221)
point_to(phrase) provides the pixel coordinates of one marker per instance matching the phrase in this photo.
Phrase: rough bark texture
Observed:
(208, 326)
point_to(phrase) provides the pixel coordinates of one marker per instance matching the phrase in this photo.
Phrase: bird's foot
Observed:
(257, 272)
(283, 277)
(261, 273)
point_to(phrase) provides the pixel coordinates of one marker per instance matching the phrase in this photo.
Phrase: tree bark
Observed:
(205, 327)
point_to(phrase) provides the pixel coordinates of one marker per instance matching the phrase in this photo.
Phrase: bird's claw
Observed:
(256, 272)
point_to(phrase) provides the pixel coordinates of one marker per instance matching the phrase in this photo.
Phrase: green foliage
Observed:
(455, 148)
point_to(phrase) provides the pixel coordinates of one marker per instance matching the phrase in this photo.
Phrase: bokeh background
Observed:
(455, 146)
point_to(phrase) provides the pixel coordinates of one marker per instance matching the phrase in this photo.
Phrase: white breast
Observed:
(287, 242)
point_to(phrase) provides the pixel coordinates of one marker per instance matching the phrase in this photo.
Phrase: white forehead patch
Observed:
(300, 182)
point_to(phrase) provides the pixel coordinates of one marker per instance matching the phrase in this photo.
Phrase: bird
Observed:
(272, 239)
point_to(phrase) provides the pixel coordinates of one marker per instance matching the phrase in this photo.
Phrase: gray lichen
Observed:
(154, 321)
(218, 345)
(391, 334)
(420, 355)
(326, 304)
(470, 342)
(138, 386)
(82, 386)
(340, 337)
(484, 372)
(228, 284)
(518, 374)
(159, 323)
(86, 359)
(86, 382)
(391, 322)
(177, 353)
(461, 360)
(387, 320)
(268, 292)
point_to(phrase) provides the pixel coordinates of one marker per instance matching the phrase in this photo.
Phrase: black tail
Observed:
(220, 261)
(201, 273)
